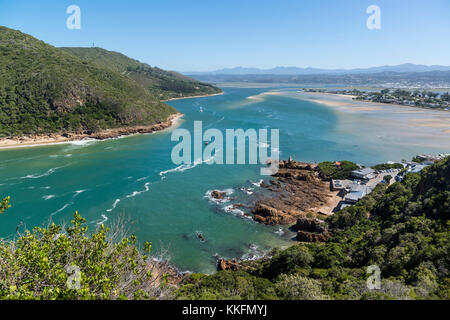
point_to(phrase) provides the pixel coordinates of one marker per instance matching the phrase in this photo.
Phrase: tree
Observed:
(4, 205)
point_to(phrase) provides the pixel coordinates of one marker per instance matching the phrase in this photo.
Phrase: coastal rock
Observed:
(219, 195)
(223, 265)
(305, 236)
(271, 216)
(296, 190)
(310, 225)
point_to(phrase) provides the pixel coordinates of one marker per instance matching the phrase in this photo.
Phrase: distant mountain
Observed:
(431, 79)
(407, 67)
(162, 84)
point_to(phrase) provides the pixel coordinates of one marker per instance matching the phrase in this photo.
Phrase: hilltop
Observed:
(46, 90)
(161, 83)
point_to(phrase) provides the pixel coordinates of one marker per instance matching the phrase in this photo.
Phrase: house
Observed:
(417, 168)
(337, 185)
(364, 173)
(354, 197)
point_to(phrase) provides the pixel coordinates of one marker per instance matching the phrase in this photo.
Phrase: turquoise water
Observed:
(134, 177)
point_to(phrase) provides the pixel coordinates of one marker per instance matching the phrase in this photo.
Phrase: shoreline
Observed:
(192, 97)
(351, 98)
(54, 139)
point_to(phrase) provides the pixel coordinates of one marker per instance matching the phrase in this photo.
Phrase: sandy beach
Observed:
(192, 97)
(51, 139)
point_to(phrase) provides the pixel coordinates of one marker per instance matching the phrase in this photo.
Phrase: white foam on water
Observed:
(279, 231)
(209, 196)
(135, 193)
(61, 209)
(114, 205)
(48, 197)
(105, 218)
(257, 184)
(185, 167)
(37, 175)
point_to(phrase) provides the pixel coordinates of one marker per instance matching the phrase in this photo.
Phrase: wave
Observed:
(41, 175)
(61, 209)
(48, 197)
(237, 212)
(257, 184)
(185, 167)
(135, 193)
(105, 218)
(248, 191)
(114, 205)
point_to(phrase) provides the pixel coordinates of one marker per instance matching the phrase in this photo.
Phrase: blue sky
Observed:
(202, 35)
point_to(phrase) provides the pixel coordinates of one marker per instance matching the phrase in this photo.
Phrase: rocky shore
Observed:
(35, 140)
(296, 191)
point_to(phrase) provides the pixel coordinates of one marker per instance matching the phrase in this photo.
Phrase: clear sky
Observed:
(202, 35)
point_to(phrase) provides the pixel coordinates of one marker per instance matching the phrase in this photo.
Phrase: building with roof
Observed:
(364, 173)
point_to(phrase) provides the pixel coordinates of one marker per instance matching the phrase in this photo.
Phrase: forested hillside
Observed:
(163, 84)
(47, 90)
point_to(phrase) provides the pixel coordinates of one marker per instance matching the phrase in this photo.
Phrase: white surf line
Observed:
(135, 193)
(78, 192)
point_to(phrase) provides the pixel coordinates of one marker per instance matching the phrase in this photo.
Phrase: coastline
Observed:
(192, 97)
(350, 98)
(53, 139)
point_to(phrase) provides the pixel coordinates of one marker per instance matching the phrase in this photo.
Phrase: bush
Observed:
(295, 287)
(52, 263)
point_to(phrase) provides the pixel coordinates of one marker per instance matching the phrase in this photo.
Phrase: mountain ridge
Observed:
(292, 70)
(162, 84)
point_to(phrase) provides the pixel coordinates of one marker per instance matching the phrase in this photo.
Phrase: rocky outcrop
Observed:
(295, 191)
(311, 230)
(268, 215)
(310, 225)
(312, 237)
(223, 265)
(219, 195)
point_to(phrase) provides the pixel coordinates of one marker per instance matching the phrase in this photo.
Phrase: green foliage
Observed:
(162, 84)
(387, 166)
(4, 205)
(330, 170)
(226, 285)
(296, 287)
(53, 263)
(48, 90)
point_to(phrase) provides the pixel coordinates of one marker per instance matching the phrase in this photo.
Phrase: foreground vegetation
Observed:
(56, 263)
(402, 229)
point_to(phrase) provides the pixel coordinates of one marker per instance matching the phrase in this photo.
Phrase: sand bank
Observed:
(50, 139)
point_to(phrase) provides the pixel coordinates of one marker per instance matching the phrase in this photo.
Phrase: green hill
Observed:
(163, 84)
(44, 90)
